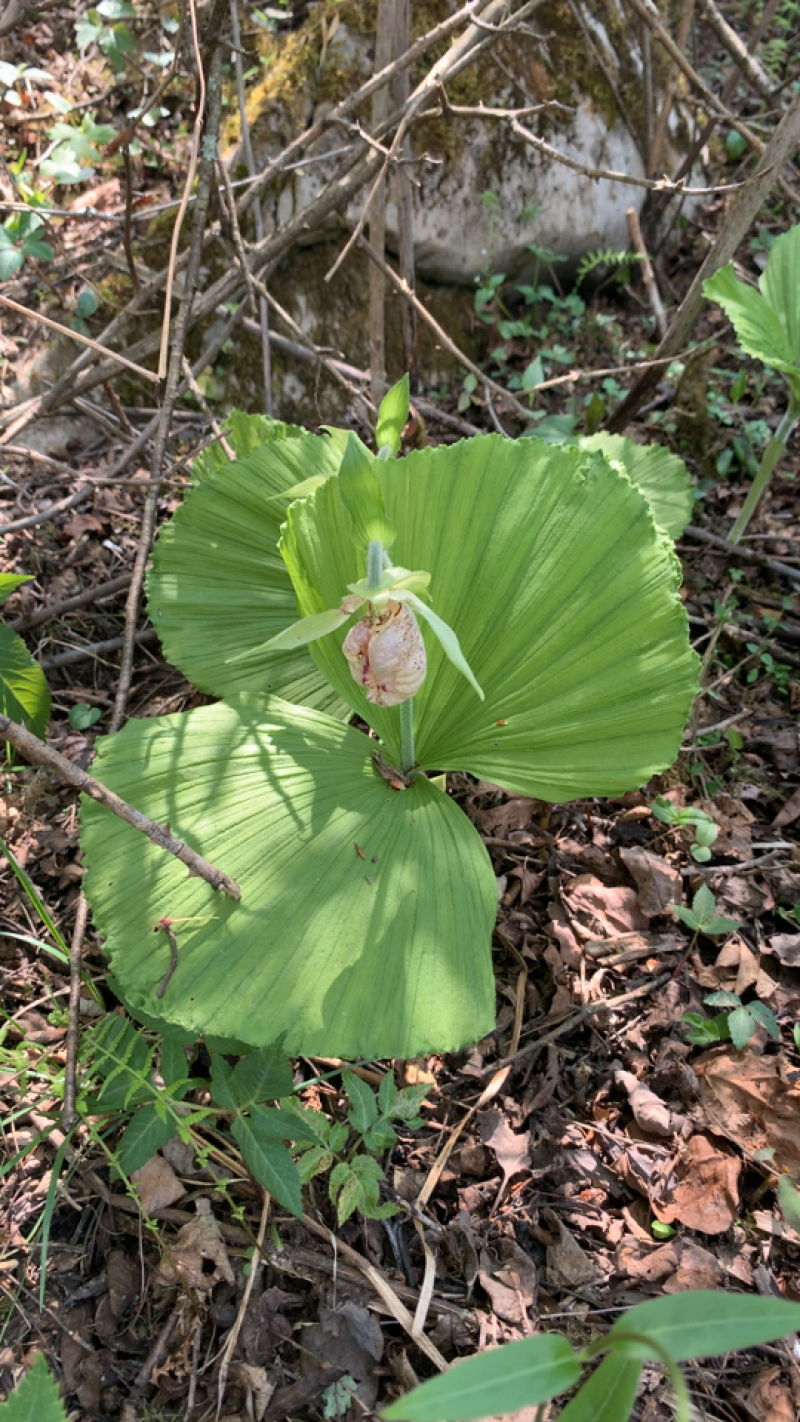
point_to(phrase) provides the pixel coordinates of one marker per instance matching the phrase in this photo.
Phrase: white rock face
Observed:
(479, 206)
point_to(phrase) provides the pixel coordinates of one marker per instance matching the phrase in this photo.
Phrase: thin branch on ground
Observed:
(39, 753)
(69, 1115)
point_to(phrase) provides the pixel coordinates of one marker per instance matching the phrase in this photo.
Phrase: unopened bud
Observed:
(387, 655)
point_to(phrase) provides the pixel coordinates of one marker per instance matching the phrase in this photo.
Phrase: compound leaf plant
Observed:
(552, 659)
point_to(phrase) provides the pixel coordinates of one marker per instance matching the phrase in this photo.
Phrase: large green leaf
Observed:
(759, 329)
(662, 477)
(386, 955)
(24, 693)
(218, 586)
(243, 434)
(501, 1380)
(547, 564)
(780, 284)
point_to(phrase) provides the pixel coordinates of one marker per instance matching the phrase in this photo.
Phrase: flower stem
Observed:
(771, 455)
(375, 563)
(406, 709)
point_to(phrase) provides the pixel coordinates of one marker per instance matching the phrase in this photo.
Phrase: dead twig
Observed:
(210, 138)
(82, 340)
(610, 1004)
(39, 753)
(742, 554)
(648, 274)
(94, 649)
(52, 610)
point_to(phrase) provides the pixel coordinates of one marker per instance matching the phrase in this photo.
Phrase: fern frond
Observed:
(604, 258)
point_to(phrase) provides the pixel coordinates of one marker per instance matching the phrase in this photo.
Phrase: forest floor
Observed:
(615, 1159)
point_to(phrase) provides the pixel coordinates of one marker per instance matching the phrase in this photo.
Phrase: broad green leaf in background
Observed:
(703, 1322)
(662, 477)
(24, 693)
(789, 1201)
(36, 1398)
(218, 586)
(763, 327)
(547, 564)
(387, 955)
(608, 1395)
(518, 1375)
(780, 285)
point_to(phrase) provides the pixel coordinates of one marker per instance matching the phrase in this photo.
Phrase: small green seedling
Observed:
(705, 830)
(702, 916)
(355, 1177)
(736, 1023)
(529, 1372)
(75, 153)
(24, 694)
(18, 240)
(82, 716)
(767, 325)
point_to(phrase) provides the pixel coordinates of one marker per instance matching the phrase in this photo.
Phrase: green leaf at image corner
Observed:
(500, 1380)
(546, 563)
(24, 693)
(702, 1323)
(9, 582)
(35, 1398)
(385, 956)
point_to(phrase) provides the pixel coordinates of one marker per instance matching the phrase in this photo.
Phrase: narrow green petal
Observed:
(447, 639)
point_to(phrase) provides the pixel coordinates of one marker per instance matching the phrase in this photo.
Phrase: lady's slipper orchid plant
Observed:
(385, 649)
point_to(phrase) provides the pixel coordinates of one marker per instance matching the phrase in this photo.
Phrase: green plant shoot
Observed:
(767, 325)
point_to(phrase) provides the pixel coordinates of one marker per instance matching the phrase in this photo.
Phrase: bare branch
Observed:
(39, 753)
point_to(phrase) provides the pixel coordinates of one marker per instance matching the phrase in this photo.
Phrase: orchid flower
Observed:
(385, 649)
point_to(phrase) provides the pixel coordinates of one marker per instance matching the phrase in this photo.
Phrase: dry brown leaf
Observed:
(768, 1399)
(157, 1184)
(790, 811)
(511, 815)
(753, 1102)
(703, 1193)
(348, 1337)
(650, 1113)
(658, 884)
(605, 909)
(508, 1275)
(737, 968)
(735, 839)
(197, 1255)
(681, 1264)
(785, 946)
(512, 1151)
(568, 1266)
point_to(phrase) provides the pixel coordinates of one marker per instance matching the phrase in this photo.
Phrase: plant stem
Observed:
(406, 709)
(772, 454)
(375, 563)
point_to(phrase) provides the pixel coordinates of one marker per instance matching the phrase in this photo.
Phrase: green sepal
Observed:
(392, 416)
(362, 496)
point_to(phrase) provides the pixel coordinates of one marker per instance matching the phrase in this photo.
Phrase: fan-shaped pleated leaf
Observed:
(547, 564)
(385, 954)
(219, 587)
(662, 477)
(243, 433)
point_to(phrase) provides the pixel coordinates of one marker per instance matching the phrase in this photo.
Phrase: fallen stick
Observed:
(39, 753)
(742, 555)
